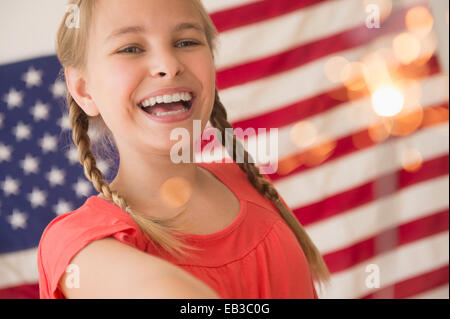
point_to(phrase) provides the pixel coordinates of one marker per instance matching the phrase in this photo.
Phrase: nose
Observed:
(166, 64)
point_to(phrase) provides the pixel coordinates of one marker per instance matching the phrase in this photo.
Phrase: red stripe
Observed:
(387, 240)
(366, 193)
(28, 291)
(306, 53)
(296, 163)
(237, 17)
(413, 286)
(322, 102)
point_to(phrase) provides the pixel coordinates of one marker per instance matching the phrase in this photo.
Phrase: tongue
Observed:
(166, 107)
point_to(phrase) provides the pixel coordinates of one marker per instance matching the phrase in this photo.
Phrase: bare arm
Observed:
(111, 269)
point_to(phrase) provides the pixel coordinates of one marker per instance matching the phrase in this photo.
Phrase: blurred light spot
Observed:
(411, 159)
(428, 46)
(406, 47)
(380, 131)
(333, 68)
(435, 115)
(303, 134)
(406, 123)
(287, 165)
(419, 21)
(320, 153)
(376, 71)
(352, 76)
(175, 192)
(387, 101)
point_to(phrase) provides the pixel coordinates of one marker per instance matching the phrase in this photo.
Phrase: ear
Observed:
(78, 89)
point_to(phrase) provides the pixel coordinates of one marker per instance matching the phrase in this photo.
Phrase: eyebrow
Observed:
(139, 29)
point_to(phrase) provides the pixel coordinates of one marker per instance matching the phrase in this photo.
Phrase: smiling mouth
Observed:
(173, 107)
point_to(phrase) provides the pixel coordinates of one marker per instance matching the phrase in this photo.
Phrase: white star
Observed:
(10, 186)
(48, 143)
(94, 134)
(2, 117)
(5, 152)
(103, 166)
(64, 123)
(17, 219)
(58, 89)
(62, 207)
(13, 98)
(33, 77)
(40, 111)
(82, 188)
(22, 131)
(56, 176)
(37, 197)
(30, 164)
(72, 155)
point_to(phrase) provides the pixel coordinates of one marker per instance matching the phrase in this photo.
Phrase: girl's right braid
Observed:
(219, 120)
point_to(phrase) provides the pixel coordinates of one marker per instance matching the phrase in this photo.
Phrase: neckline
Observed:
(202, 237)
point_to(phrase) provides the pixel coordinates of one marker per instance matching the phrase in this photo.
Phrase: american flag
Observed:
(371, 190)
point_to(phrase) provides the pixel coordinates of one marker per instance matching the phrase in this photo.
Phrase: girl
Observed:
(234, 237)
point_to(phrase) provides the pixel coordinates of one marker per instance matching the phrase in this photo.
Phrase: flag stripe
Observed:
(441, 292)
(323, 102)
(366, 221)
(403, 234)
(366, 193)
(306, 53)
(293, 30)
(415, 285)
(333, 177)
(256, 12)
(397, 265)
(28, 291)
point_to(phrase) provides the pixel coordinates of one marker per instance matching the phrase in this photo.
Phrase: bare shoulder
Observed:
(108, 268)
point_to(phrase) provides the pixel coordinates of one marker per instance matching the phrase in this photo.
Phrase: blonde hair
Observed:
(71, 51)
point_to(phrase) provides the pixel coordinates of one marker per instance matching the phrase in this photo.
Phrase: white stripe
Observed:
(400, 264)
(18, 268)
(360, 167)
(282, 89)
(349, 118)
(437, 293)
(363, 222)
(282, 33)
(217, 5)
(341, 121)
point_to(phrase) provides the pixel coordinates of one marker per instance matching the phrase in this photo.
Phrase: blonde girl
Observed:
(162, 229)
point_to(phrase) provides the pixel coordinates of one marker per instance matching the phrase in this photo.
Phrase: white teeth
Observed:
(185, 96)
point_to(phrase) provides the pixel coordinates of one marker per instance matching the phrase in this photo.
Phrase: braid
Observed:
(219, 120)
(163, 232)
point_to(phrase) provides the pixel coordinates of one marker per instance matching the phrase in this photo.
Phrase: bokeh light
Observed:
(387, 101)
(406, 47)
(419, 21)
(333, 68)
(303, 134)
(411, 159)
(175, 192)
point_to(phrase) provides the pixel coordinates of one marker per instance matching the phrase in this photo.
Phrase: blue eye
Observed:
(129, 50)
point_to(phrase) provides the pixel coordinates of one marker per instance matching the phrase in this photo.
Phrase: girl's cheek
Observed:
(122, 78)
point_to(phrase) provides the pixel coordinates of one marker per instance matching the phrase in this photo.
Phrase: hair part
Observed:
(71, 50)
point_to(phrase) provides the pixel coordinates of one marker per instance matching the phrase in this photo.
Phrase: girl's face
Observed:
(135, 49)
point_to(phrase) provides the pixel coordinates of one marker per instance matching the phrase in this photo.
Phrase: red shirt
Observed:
(256, 256)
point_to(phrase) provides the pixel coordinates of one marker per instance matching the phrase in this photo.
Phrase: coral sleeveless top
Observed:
(256, 256)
